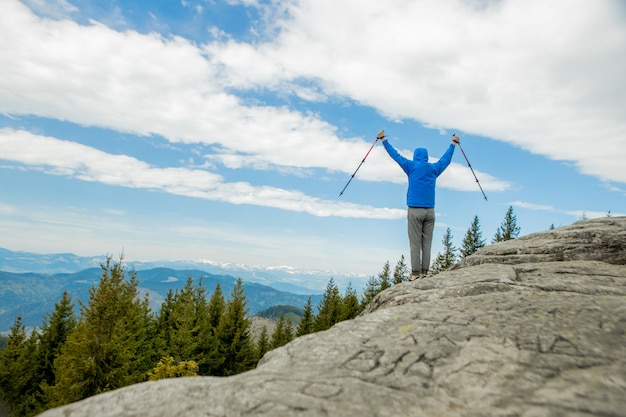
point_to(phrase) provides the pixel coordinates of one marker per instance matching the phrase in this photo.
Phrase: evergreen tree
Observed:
(283, 333)
(164, 322)
(401, 271)
(372, 287)
(307, 321)
(212, 363)
(217, 305)
(263, 344)
(236, 345)
(54, 332)
(191, 336)
(146, 334)
(183, 324)
(508, 229)
(473, 240)
(110, 347)
(329, 308)
(446, 259)
(185, 329)
(384, 278)
(350, 306)
(18, 382)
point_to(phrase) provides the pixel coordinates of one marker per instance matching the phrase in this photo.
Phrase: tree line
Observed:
(473, 241)
(117, 340)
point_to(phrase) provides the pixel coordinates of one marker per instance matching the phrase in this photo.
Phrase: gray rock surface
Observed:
(530, 327)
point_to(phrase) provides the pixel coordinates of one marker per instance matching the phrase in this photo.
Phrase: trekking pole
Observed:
(458, 143)
(357, 168)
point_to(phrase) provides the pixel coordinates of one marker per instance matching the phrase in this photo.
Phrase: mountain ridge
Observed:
(285, 278)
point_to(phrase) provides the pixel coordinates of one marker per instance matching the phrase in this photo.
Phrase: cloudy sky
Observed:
(225, 129)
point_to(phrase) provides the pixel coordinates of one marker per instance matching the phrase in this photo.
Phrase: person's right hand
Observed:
(455, 139)
(381, 135)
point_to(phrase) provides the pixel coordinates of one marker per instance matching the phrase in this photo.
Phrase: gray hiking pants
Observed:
(420, 223)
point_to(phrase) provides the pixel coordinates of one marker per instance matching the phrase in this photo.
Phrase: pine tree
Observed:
(283, 333)
(446, 259)
(329, 308)
(145, 334)
(508, 229)
(164, 322)
(473, 240)
(401, 271)
(54, 332)
(211, 364)
(18, 382)
(350, 306)
(216, 307)
(307, 322)
(111, 345)
(236, 345)
(184, 324)
(384, 277)
(263, 344)
(372, 287)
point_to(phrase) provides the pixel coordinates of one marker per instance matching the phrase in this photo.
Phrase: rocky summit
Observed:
(534, 326)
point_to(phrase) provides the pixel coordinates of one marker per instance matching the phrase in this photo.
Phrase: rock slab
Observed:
(531, 327)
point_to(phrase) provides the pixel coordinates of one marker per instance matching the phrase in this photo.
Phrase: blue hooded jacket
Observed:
(422, 174)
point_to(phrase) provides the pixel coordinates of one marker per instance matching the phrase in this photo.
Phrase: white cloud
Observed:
(459, 177)
(578, 214)
(544, 76)
(146, 84)
(78, 161)
(615, 189)
(581, 214)
(51, 8)
(532, 206)
(7, 209)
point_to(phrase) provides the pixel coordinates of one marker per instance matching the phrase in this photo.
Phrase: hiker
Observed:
(420, 199)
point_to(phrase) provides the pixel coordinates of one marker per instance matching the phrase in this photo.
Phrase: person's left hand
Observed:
(381, 135)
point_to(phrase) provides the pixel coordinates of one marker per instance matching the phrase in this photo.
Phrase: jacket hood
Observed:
(420, 155)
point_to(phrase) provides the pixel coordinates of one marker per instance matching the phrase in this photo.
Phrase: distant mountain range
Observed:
(30, 285)
(33, 295)
(284, 278)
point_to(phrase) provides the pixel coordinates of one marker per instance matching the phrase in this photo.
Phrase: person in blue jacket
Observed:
(420, 199)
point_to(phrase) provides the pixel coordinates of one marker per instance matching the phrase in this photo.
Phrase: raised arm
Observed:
(446, 158)
(393, 153)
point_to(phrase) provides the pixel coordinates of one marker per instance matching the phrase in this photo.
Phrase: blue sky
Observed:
(225, 130)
